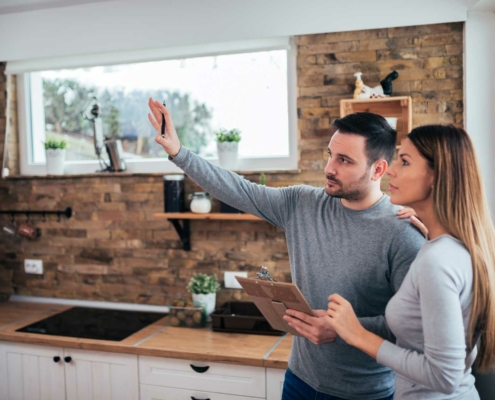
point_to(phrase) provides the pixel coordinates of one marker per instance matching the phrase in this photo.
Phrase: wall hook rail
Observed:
(59, 213)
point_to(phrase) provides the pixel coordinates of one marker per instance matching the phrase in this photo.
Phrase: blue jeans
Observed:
(296, 389)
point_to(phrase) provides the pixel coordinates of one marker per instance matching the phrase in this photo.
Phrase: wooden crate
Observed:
(399, 107)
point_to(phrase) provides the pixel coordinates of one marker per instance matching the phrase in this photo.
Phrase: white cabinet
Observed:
(274, 383)
(209, 377)
(31, 372)
(34, 372)
(94, 375)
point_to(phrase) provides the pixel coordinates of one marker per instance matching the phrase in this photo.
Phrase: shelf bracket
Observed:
(184, 232)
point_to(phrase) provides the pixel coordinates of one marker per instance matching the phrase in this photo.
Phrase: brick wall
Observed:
(113, 250)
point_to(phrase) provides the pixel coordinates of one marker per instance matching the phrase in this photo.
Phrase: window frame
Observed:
(31, 113)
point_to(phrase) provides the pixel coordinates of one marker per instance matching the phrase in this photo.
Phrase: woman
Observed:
(446, 304)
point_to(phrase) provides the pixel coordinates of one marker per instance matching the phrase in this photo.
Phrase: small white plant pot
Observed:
(228, 154)
(55, 160)
(207, 301)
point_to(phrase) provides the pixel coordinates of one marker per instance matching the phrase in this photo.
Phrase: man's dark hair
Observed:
(381, 138)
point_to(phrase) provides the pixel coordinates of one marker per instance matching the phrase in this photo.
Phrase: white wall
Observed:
(479, 82)
(139, 24)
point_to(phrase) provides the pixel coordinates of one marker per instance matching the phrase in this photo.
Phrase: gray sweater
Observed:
(362, 255)
(429, 316)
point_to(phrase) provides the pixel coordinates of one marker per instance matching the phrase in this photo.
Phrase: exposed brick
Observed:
(373, 44)
(354, 35)
(441, 39)
(454, 72)
(440, 73)
(435, 62)
(453, 49)
(361, 56)
(402, 42)
(303, 102)
(327, 48)
(396, 54)
(432, 51)
(444, 84)
(308, 113)
(425, 29)
(311, 80)
(92, 269)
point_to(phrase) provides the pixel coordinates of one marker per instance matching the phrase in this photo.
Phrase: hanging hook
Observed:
(12, 218)
(58, 216)
(44, 216)
(27, 217)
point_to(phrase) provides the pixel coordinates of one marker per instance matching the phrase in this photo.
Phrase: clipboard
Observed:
(273, 299)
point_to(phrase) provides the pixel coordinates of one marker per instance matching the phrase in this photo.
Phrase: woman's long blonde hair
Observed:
(461, 207)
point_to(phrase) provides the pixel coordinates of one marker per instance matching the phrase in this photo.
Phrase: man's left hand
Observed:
(317, 329)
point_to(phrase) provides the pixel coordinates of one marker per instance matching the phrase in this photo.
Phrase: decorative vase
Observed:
(55, 159)
(207, 301)
(228, 154)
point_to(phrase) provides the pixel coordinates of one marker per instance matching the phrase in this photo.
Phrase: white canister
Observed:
(200, 203)
(228, 154)
(55, 160)
(207, 301)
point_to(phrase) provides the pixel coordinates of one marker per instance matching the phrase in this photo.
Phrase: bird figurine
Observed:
(363, 91)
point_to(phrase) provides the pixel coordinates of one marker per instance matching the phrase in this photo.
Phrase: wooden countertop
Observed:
(279, 357)
(158, 339)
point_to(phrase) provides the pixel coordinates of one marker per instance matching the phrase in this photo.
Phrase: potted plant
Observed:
(228, 147)
(262, 179)
(55, 156)
(204, 290)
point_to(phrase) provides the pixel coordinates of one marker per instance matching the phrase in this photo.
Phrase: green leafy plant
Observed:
(54, 144)
(203, 284)
(224, 135)
(262, 179)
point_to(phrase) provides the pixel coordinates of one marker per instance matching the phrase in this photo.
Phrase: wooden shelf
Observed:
(399, 107)
(184, 230)
(211, 216)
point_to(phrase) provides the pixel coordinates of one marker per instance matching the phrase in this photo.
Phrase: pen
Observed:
(163, 122)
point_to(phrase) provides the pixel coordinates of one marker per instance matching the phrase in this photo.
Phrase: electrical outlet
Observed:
(231, 282)
(33, 267)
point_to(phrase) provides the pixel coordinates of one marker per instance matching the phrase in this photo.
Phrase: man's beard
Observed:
(354, 191)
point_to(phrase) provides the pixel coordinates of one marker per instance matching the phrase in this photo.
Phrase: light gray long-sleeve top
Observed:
(361, 254)
(429, 317)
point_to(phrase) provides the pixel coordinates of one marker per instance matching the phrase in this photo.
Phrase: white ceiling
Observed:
(17, 6)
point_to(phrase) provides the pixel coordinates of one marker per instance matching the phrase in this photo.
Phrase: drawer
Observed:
(203, 376)
(163, 393)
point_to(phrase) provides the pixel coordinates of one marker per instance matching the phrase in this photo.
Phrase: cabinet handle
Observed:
(194, 398)
(199, 370)
(68, 359)
(56, 359)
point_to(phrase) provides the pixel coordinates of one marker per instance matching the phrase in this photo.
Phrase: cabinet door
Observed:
(274, 383)
(31, 372)
(94, 375)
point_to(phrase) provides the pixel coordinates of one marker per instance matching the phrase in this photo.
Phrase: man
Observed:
(343, 239)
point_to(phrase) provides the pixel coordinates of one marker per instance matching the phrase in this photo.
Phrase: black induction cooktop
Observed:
(94, 323)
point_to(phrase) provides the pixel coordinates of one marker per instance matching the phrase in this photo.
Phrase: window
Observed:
(253, 91)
